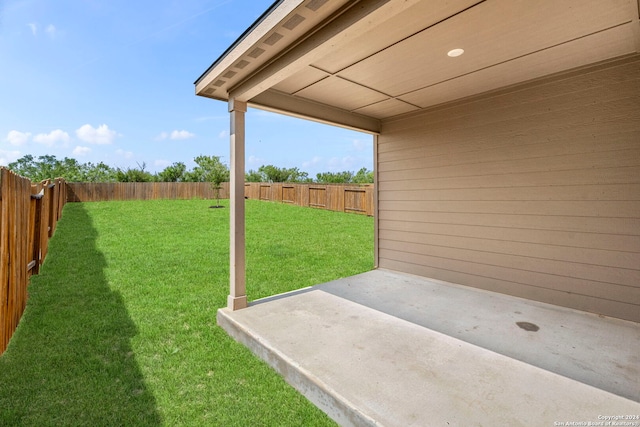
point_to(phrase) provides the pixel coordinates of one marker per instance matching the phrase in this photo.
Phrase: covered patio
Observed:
(390, 349)
(507, 207)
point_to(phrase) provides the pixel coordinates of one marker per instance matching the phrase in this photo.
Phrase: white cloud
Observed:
(49, 139)
(100, 135)
(7, 157)
(182, 134)
(223, 134)
(17, 138)
(176, 135)
(125, 154)
(81, 151)
(50, 30)
(34, 28)
(161, 163)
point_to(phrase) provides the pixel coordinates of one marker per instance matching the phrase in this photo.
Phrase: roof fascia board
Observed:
(265, 23)
(360, 17)
(279, 102)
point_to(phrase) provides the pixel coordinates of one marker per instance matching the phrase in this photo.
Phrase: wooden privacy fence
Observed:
(105, 191)
(28, 216)
(352, 198)
(335, 197)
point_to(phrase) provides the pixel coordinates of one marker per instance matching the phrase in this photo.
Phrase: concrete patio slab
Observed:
(391, 349)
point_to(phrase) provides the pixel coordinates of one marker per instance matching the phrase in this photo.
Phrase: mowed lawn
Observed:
(120, 326)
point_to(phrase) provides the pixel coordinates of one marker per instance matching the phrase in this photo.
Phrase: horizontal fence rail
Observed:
(354, 198)
(28, 216)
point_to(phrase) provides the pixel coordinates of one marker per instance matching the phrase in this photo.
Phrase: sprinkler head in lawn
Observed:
(216, 207)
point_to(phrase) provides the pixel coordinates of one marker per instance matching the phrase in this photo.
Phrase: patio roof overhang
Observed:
(356, 63)
(359, 63)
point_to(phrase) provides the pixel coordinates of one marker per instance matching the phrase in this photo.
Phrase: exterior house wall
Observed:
(534, 192)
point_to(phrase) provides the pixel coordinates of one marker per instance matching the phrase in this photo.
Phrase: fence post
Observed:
(52, 208)
(37, 226)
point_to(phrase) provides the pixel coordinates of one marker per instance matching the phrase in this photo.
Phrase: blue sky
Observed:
(112, 81)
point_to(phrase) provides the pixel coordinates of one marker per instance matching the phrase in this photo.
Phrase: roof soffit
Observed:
(345, 25)
(384, 58)
(506, 42)
(274, 33)
(491, 32)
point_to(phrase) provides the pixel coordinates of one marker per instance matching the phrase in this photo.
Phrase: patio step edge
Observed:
(338, 408)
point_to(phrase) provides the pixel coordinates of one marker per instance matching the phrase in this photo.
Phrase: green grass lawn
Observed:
(120, 325)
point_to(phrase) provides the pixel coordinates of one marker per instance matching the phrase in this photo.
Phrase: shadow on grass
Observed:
(70, 361)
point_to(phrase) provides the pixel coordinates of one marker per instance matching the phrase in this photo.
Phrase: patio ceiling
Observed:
(356, 63)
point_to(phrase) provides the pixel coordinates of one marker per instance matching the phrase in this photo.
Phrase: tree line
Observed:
(207, 169)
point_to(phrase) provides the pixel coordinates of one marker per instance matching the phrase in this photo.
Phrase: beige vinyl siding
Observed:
(533, 192)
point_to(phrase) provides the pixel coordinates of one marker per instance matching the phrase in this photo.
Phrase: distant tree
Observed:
(335, 177)
(204, 166)
(72, 170)
(253, 176)
(218, 174)
(134, 175)
(363, 176)
(99, 172)
(47, 167)
(26, 166)
(296, 175)
(270, 173)
(209, 169)
(273, 173)
(173, 173)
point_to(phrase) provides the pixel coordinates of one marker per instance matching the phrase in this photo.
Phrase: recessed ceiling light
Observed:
(455, 52)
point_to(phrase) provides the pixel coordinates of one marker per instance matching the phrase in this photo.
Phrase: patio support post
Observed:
(376, 216)
(237, 298)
